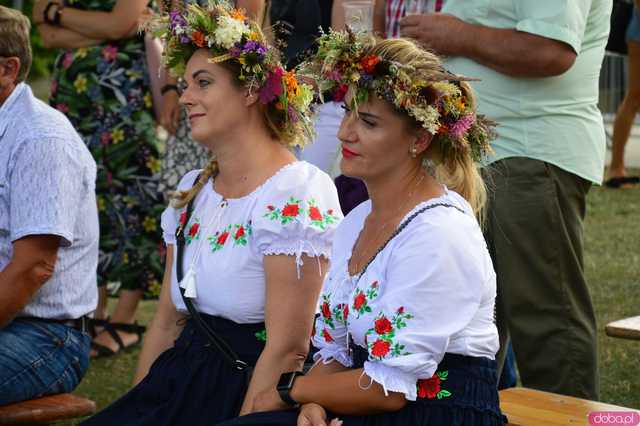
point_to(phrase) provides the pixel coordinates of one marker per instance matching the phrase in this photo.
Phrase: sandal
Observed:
(94, 324)
(619, 182)
(112, 328)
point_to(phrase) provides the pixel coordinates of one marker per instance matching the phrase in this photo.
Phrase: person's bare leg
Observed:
(124, 312)
(626, 113)
(101, 309)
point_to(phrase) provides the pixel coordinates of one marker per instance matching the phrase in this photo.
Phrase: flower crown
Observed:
(229, 36)
(434, 98)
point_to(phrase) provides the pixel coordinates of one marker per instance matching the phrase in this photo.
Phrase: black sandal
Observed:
(95, 323)
(619, 182)
(112, 328)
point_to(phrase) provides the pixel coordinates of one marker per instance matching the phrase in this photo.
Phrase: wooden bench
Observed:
(628, 328)
(528, 407)
(46, 410)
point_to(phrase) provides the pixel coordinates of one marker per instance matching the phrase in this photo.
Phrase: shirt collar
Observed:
(6, 108)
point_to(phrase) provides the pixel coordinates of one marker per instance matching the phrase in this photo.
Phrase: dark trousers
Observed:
(534, 229)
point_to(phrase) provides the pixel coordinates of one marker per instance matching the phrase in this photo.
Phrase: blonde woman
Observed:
(247, 238)
(406, 333)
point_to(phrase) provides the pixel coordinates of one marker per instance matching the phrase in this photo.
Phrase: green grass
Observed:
(612, 243)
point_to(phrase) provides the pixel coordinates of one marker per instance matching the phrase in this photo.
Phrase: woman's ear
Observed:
(423, 141)
(251, 97)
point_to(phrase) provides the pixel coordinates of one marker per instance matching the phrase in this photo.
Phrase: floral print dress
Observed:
(104, 91)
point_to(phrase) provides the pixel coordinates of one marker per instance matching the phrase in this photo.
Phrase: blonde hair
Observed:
(15, 40)
(454, 167)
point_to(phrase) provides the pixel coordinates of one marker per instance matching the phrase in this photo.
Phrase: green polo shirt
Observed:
(553, 119)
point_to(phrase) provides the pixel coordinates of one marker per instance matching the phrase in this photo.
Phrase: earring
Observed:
(414, 152)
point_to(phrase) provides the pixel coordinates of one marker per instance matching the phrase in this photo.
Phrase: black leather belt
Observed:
(80, 324)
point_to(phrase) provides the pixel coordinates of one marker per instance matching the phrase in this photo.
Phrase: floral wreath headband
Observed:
(435, 101)
(229, 36)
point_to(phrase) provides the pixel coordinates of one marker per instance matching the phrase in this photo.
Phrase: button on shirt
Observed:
(47, 187)
(553, 119)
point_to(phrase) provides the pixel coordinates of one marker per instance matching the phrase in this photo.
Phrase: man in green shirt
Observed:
(538, 63)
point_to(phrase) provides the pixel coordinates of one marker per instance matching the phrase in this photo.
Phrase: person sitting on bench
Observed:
(48, 233)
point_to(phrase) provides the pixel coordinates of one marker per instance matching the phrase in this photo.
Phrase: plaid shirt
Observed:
(395, 12)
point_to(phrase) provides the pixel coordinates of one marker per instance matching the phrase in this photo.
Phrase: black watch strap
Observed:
(284, 389)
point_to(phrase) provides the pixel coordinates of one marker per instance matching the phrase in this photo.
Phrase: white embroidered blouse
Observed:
(295, 211)
(431, 290)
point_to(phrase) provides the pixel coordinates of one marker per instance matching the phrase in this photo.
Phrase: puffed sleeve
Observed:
(431, 290)
(330, 329)
(171, 217)
(297, 215)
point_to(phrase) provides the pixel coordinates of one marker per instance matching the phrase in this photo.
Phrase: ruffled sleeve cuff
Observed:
(314, 247)
(169, 224)
(393, 379)
(329, 354)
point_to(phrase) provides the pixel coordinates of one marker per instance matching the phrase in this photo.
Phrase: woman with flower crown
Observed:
(406, 333)
(247, 238)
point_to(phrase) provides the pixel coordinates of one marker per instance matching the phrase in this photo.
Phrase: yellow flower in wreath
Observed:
(80, 84)
(102, 204)
(154, 165)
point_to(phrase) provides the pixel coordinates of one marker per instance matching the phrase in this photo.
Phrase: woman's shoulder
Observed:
(299, 180)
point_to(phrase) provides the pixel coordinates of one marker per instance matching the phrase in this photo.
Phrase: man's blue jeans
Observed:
(39, 358)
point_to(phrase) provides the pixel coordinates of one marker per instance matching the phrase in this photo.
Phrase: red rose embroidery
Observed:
(429, 388)
(380, 348)
(401, 310)
(383, 326)
(345, 312)
(194, 230)
(374, 284)
(239, 233)
(183, 218)
(271, 208)
(326, 312)
(327, 336)
(330, 211)
(290, 210)
(314, 213)
(223, 237)
(359, 300)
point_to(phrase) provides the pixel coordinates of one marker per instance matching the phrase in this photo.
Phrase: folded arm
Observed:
(61, 38)
(113, 25)
(508, 51)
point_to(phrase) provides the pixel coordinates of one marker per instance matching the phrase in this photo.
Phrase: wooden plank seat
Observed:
(46, 410)
(529, 407)
(628, 328)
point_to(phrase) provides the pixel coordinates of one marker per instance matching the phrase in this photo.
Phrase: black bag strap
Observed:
(218, 342)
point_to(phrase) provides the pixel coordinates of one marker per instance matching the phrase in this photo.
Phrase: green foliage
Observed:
(42, 58)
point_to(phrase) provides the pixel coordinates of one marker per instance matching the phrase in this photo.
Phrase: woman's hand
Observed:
(269, 400)
(312, 414)
(170, 113)
(37, 14)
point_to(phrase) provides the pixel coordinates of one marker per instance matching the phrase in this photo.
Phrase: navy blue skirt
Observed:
(191, 383)
(464, 394)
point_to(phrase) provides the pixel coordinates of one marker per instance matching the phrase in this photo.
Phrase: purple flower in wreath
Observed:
(177, 20)
(460, 127)
(272, 87)
(292, 114)
(236, 51)
(256, 47)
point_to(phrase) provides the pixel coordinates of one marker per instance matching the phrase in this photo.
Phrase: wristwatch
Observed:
(285, 384)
